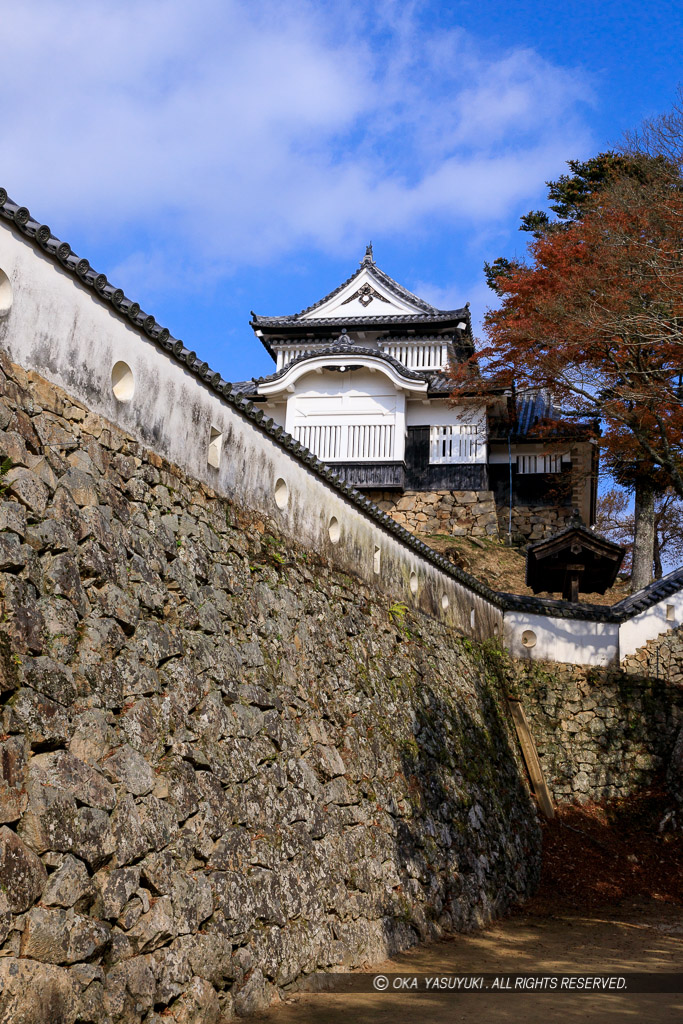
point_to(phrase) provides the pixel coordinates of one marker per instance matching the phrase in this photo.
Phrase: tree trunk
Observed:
(658, 557)
(644, 540)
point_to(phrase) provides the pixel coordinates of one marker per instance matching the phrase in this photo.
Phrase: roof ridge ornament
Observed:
(368, 260)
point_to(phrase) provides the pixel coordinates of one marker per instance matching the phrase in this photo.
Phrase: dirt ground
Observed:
(610, 900)
(646, 936)
(504, 568)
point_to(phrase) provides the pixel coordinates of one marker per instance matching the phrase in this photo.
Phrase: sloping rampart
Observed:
(225, 763)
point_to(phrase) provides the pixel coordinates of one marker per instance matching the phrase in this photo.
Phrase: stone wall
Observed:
(661, 658)
(224, 763)
(469, 514)
(455, 513)
(605, 733)
(532, 522)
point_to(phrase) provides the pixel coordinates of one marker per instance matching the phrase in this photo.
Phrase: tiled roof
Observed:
(343, 349)
(439, 385)
(652, 594)
(536, 409)
(532, 407)
(575, 523)
(244, 387)
(437, 316)
(41, 236)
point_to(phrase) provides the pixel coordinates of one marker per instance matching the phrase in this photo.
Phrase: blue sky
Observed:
(217, 157)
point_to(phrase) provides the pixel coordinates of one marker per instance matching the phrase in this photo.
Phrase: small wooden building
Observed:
(575, 560)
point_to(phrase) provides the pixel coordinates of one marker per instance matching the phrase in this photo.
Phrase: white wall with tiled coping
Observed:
(52, 323)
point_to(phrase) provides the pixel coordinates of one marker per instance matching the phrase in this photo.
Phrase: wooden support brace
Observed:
(526, 742)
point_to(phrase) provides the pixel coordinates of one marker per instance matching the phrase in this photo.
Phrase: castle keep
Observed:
(362, 379)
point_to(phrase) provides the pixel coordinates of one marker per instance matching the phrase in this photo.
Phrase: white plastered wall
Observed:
(346, 303)
(641, 628)
(575, 641)
(358, 398)
(442, 413)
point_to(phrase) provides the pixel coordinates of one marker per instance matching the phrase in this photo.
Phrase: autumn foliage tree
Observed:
(595, 315)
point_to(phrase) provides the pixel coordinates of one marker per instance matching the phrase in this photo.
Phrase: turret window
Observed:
(539, 463)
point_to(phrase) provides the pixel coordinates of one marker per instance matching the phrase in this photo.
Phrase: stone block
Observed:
(155, 928)
(48, 535)
(13, 553)
(81, 485)
(41, 719)
(53, 821)
(197, 1004)
(28, 489)
(127, 766)
(13, 797)
(36, 993)
(74, 777)
(50, 678)
(116, 888)
(68, 884)
(40, 467)
(255, 995)
(62, 578)
(22, 873)
(14, 448)
(129, 989)
(60, 937)
(13, 517)
(89, 739)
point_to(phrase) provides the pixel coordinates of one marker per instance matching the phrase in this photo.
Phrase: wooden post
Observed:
(526, 742)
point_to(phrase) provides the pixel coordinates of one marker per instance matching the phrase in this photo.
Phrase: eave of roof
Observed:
(438, 385)
(19, 218)
(583, 533)
(303, 333)
(351, 352)
(446, 317)
(284, 329)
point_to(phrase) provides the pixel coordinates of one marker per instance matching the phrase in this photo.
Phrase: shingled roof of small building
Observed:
(61, 253)
(577, 553)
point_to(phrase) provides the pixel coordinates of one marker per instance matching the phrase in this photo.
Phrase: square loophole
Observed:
(215, 448)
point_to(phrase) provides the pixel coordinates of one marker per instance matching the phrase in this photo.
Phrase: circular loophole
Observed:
(413, 583)
(281, 493)
(122, 382)
(5, 294)
(445, 602)
(495, 629)
(334, 530)
(528, 638)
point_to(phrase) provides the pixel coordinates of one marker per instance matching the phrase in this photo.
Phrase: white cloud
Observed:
(235, 132)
